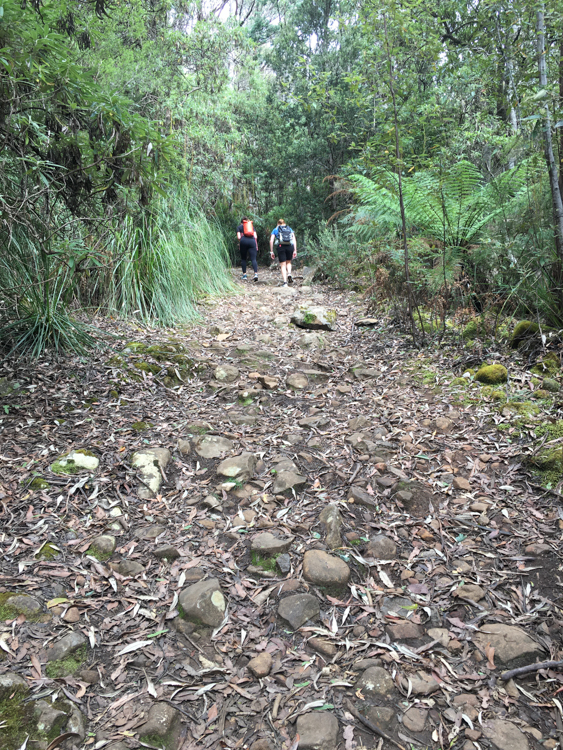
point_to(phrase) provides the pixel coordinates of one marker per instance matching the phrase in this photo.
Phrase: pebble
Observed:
(326, 648)
(415, 719)
(375, 681)
(261, 665)
(324, 570)
(72, 615)
(166, 552)
(317, 730)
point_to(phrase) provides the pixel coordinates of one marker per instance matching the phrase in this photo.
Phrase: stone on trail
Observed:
(469, 592)
(414, 719)
(260, 666)
(326, 648)
(365, 373)
(361, 497)
(226, 373)
(150, 464)
(299, 608)
(381, 547)
(203, 603)
(269, 383)
(310, 341)
(162, 728)
(23, 604)
(212, 446)
(513, 646)
(317, 731)
(375, 681)
(404, 631)
(444, 425)
(239, 467)
(268, 545)
(297, 381)
(10, 682)
(314, 318)
(396, 606)
(505, 735)
(381, 716)
(287, 480)
(129, 568)
(66, 646)
(150, 532)
(332, 521)
(317, 376)
(422, 683)
(461, 483)
(283, 562)
(166, 552)
(324, 570)
(102, 546)
(77, 460)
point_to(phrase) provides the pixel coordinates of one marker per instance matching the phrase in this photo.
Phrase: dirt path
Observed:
(292, 559)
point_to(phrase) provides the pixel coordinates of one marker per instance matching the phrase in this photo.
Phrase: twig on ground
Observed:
(530, 668)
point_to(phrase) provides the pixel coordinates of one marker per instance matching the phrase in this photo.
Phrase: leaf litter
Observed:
(445, 536)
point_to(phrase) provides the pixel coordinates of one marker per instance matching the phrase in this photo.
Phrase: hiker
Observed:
(284, 237)
(248, 246)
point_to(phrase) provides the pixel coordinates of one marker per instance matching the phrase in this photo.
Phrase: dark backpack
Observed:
(284, 234)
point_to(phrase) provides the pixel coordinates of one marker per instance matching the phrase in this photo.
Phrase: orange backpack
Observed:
(248, 228)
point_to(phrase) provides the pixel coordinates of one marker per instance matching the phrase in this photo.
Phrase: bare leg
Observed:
(288, 267)
(283, 268)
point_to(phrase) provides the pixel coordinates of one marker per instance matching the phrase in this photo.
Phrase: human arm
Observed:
(294, 245)
(272, 237)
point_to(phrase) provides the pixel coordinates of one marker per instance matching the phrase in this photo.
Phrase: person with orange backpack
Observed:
(248, 246)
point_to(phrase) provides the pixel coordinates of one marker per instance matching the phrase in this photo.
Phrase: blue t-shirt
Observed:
(276, 233)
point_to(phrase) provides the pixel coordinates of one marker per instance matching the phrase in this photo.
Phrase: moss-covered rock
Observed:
(137, 347)
(498, 396)
(75, 461)
(38, 483)
(547, 465)
(523, 330)
(459, 382)
(17, 718)
(67, 666)
(48, 552)
(551, 385)
(141, 426)
(147, 367)
(548, 365)
(541, 393)
(471, 330)
(524, 409)
(492, 374)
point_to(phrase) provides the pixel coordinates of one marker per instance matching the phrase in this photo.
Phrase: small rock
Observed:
(362, 664)
(89, 676)
(72, 615)
(262, 744)
(551, 385)
(382, 548)
(239, 467)
(67, 645)
(415, 719)
(261, 665)
(150, 464)
(382, 717)
(473, 734)
(310, 341)
(203, 603)
(396, 606)
(537, 549)
(269, 545)
(460, 483)
(404, 631)
(466, 699)
(422, 683)
(314, 318)
(324, 570)
(166, 552)
(226, 373)
(49, 718)
(299, 608)
(332, 521)
(297, 381)
(212, 446)
(469, 592)
(512, 689)
(513, 646)
(269, 383)
(444, 425)
(129, 568)
(24, 604)
(74, 461)
(151, 532)
(287, 480)
(505, 735)
(185, 447)
(10, 682)
(361, 497)
(317, 731)
(162, 727)
(326, 648)
(440, 634)
(375, 681)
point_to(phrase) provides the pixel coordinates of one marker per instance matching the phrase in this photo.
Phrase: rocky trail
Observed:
(251, 534)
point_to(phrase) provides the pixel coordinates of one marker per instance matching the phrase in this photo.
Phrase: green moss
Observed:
(48, 552)
(137, 347)
(69, 467)
(459, 382)
(17, 720)
(542, 394)
(147, 367)
(492, 374)
(85, 452)
(39, 484)
(503, 426)
(64, 667)
(523, 408)
(549, 365)
(553, 431)
(99, 554)
(115, 361)
(498, 396)
(523, 330)
(536, 382)
(551, 385)
(309, 318)
(8, 612)
(471, 330)
(266, 563)
(470, 371)
(141, 426)
(114, 394)
(547, 465)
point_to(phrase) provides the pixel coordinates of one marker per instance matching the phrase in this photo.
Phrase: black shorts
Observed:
(285, 252)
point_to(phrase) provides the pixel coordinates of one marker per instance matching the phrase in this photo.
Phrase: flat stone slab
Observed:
(77, 460)
(317, 731)
(513, 646)
(287, 480)
(226, 373)
(299, 608)
(203, 603)
(212, 446)
(67, 645)
(150, 463)
(238, 467)
(268, 545)
(324, 570)
(505, 735)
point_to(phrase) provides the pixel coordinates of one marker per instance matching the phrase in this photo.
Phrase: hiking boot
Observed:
(289, 278)
(255, 277)
(244, 277)
(284, 283)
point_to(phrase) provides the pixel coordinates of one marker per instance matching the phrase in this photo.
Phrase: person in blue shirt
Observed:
(284, 237)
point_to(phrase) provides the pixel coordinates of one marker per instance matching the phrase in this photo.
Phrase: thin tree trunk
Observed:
(550, 158)
(400, 184)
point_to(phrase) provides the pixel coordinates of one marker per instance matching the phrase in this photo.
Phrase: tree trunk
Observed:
(552, 166)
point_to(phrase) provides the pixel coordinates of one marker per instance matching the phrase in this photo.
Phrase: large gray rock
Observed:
(150, 463)
(314, 318)
(162, 728)
(332, 521)
(226, 374)
(324, 570)
(267, 544)
(50, 720)
(239, 467)
(287, 480)
(513, 646)
(375, 681)
(66, 646)
(299, 608)
(317, 731)
(505, 735)
(203, 603)
(381, 716)
(212, 446)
